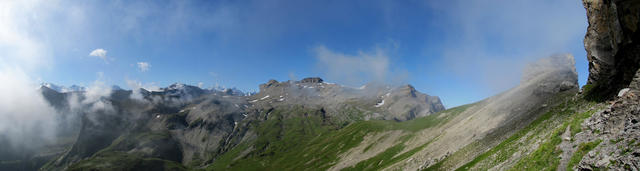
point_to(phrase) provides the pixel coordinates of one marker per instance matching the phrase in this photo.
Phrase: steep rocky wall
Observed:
(612, 43)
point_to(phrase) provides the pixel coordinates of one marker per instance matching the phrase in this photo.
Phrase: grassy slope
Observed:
(583, 149)
(115, 157)
(115, 160)
(291, 140)
(548, 128)
(302, 139)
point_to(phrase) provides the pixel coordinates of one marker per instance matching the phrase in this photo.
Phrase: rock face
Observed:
(635, 83)
(618, 127)
(558, 74)
(613, 51)
(488, 122)
(312, 80)
(399, 103)
(612, 43)
(186, 125)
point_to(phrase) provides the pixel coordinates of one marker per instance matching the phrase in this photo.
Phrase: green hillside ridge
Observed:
(299, 138)
(307, 144)
(323, 146)
(534, 147)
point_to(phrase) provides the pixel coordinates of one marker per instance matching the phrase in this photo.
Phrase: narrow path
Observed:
(567, 149)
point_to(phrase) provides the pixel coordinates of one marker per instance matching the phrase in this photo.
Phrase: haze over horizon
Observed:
(461, 51)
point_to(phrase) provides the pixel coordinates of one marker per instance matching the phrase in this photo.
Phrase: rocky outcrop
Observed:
(268, 84)
(613, 51)
(312, 80)
(618, 129)
(554, 74)
(612, 43)
(635, 82)
(410, 102)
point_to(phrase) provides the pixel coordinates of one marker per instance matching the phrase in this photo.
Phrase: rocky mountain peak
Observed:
(182, 90)
(407, 90)
(399, 103)
(63, 89)
(550, 75)
(270, 83)
(563, 63)
(176, 86)
(115, 87)
(311, 80)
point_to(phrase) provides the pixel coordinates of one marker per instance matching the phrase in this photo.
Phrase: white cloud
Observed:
(353, 70)
(143, 66)
(100, 53)
(95, 98)
(19, 45)
(490, 41)
(27, 119)
(93, 102)
(135, 86)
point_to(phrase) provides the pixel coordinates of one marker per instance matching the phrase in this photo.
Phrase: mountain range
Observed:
(547, 122)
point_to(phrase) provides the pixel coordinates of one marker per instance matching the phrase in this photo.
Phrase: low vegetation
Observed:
(114, 160)
(583, 149)
(548, 127)
(298, 139)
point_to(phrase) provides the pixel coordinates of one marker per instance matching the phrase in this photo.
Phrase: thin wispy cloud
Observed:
(18, 44)
(143, 66)
(357, 69)
(490, 46)
(134, 84)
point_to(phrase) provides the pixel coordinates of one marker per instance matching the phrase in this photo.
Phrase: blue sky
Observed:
(460, 50)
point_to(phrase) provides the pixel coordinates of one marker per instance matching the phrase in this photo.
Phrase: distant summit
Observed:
(63, 89)
(399, 103)
(312, 80)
